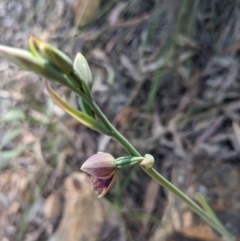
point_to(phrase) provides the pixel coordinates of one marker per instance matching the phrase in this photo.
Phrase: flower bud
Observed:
(28, 61)
(102, 169)
(82, 69)
(147, 162)
(53, 55)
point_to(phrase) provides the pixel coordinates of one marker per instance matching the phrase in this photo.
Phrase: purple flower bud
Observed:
(102, 168)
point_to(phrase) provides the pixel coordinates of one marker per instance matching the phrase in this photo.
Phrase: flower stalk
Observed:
(127, 161)
(163, 181)
(51, 63)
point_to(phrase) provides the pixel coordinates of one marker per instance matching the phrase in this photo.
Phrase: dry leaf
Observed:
(132, 70)
(52, 206)
(116, 12)
(84, 11)
(149, 203)
(83, 215)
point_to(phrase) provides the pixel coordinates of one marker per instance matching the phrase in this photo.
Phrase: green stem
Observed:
(190, 203)
(159, 178)
(152, 172)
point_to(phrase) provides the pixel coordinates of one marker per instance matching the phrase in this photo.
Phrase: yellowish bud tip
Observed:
(59, 59)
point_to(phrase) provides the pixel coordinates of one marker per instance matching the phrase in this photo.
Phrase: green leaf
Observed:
(7, 156)
(10, 135)
(207, 208)
(213, 216)
(13, 115)
(85, 107)
(78, 115)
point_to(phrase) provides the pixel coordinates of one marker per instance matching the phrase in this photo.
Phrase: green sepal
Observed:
(127, 161)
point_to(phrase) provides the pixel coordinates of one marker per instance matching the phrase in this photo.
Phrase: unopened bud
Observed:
(53, 55)
(28, 61)
(82, 69)
(101, 165)
(102, 170)
(147, 162)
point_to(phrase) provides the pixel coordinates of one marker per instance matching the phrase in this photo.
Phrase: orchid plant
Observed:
(51, 63)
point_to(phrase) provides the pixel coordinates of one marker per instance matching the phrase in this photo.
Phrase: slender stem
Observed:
(115, 133)
(159, 178)
(152, 172)
(190, 203)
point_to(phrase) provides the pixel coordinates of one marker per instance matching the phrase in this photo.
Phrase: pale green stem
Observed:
(190, 203)
(152, 172)
(159, 178)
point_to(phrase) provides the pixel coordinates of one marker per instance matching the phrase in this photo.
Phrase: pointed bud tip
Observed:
(55, 56)
(36, 41)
